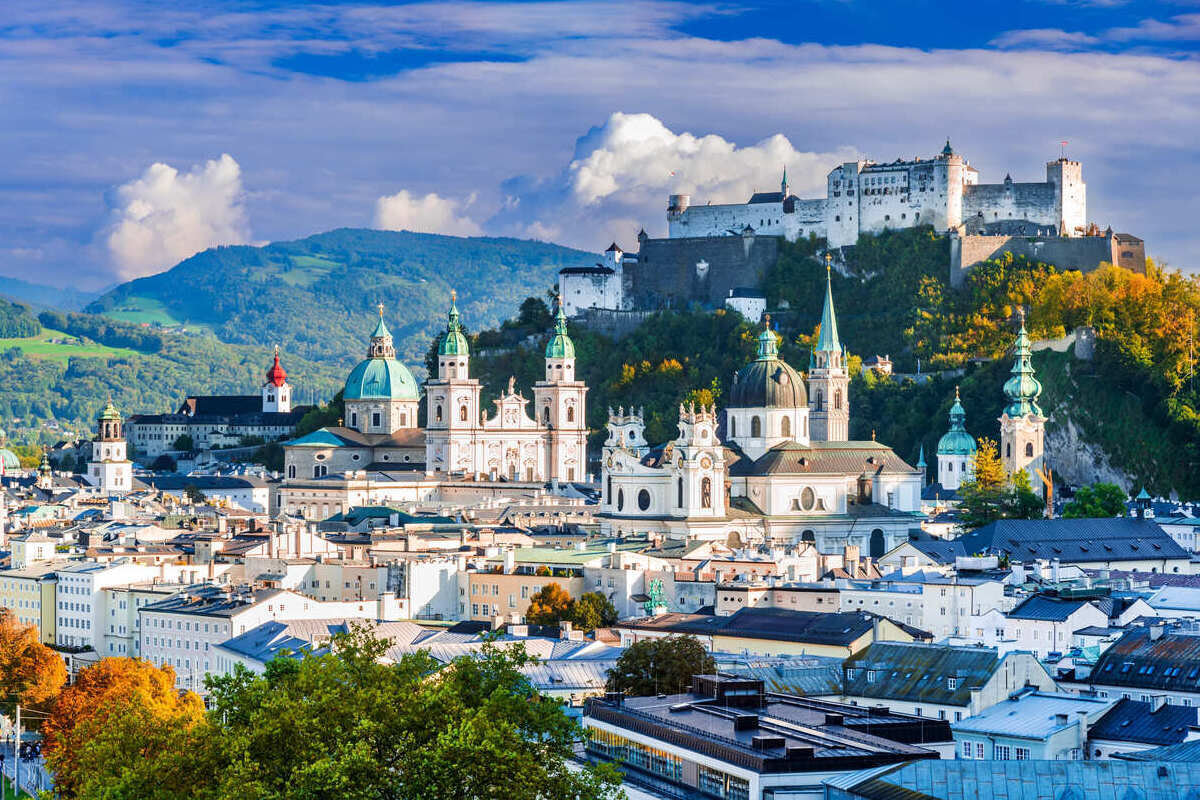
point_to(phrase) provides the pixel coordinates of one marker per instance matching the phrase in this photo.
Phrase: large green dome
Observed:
(9, 461)
(382, 379)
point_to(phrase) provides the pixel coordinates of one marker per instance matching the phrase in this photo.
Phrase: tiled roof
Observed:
(770, 624)
(1135, 721)
(1036, 715)
(920, 672)
(1184, 751)
(1049, 609)
(824, 458)
(1171, 661)
(1074, 540)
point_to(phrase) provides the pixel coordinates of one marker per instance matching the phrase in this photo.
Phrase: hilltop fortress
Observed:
(718, 254)
(866, 197)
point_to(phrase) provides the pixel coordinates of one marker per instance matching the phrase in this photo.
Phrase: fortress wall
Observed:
(1084, 253)
(678, 273)
(1036, 202)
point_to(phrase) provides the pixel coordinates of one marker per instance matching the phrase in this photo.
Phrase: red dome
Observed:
(276, 375)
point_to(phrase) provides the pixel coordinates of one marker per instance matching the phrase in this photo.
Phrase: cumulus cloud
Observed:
(432, 213)
(622, 171)
(164, 216)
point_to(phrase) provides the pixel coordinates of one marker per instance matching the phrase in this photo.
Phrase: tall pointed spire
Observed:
(828, 341)
(560, 344)
(381, 340)
(454, 343)
(1022, 389)
(783, 184)
(921, 461)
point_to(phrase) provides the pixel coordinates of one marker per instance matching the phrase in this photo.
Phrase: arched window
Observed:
(706, 493)
(820, 406)
(1029, 449)
(462, 413)
(950, 467)
(837, 399)
(570, 413)
(785, 427)
(291, 470)
(877, 545)
(437, 413)
(620, 499)
(732, 427)
(546, 415)
(608, 494)
(755, 427)
(404, 420)
(679, 492)
(1008, 450)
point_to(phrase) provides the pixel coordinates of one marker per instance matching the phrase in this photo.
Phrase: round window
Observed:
(320, 457)
(354, 457)
(808, 498)
(643, 499)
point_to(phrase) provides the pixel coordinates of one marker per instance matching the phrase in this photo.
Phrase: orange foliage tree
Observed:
(30, 673)
(549, 606)
(119, 712)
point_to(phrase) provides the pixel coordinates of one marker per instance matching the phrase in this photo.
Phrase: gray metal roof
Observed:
(1135, 721)
(1033, 715)
(1074, 540)
(1023, 780)
(919, 673)
(1049, 609)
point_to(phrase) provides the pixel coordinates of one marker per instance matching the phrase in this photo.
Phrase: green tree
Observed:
(164, 463)
(194, 495)
(1098, 500)
(991, 494)
(593, 610)
(183, 442)
(550, 605)
(654, 666)
(341, 724)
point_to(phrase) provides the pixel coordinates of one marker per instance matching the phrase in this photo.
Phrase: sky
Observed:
(138, 133)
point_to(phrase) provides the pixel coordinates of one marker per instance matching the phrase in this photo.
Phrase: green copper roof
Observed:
(321, 437)
(9, 460)
(454, 343)
(956, 441)
(381, 330)
(381, 378)
(768, 381)
(921, 458)
(110, 411)
(768, 344)
(1022, 389)
(828, 342)
(560, 344)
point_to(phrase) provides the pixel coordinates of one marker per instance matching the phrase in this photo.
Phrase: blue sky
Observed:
(138, 133)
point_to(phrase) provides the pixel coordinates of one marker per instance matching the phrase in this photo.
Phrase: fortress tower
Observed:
(1070, 196)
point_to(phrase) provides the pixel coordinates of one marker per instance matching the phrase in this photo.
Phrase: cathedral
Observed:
(378, 453)
(778, 469)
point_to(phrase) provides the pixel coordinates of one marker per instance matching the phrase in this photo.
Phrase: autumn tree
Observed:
(593, 610)
(654, 666)
(123, 730)
(1096, 501)
(30, 673)
(990, 493)
(549, 605)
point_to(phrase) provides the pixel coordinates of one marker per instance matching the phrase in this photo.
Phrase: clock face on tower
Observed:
(706, 462)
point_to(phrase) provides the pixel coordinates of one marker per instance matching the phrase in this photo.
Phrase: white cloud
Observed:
(432, 213)
(164, 216)
(623, 170)
(1045, 38)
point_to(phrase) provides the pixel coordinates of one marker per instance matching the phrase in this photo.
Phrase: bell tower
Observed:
(276, 391)
(560, 403)
(109, 469)
(452, 403)
(1022, 426)
(828, 380)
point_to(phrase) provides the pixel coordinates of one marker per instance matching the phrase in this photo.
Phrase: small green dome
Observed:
(110, 411)
(560, 344)
(9, 461)
(956, 441)
(454, 342)
(380, 378)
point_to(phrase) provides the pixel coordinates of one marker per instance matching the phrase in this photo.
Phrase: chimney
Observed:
(564, 629)
(510, 561)
(1157, 702)
(1083, 730)
(1156, 631)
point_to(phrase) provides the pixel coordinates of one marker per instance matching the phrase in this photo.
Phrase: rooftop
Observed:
(1136, 721)
(1035, 715)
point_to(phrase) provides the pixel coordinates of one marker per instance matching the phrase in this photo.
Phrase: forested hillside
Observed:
(316, 297)
(1135, 400)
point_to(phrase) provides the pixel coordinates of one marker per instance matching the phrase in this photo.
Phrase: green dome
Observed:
(110, 411)
(380, 378)
(1022, 389)
(956, 441)
(768, 381)
(9, 460)
(454, 343)
(560, 344)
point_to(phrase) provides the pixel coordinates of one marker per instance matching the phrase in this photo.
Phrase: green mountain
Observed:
(316, 297)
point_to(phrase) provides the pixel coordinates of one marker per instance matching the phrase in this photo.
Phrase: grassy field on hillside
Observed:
(140, 310)
(61, 347)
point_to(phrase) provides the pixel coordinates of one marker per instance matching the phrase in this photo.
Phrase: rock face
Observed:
(1078, 462)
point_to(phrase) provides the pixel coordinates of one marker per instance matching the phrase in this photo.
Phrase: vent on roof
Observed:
(768, 742)
(799, 752)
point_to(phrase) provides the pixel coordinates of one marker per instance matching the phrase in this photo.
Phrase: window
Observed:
(951, 683)
(870, 676)
(570, 413)
(732, 427)
(620, 499)
(755, 427)
(808, 498)
(609, 492)
(679, 492)
(376, 419)
(462, 413)
(546, 415)
(1029, 449)
(837, 399)
(966, 749)
(1022, 753)
(979, 750)
(643, 500)
(706, 493)
(785, 427)
(437, 413)
(1002, 752)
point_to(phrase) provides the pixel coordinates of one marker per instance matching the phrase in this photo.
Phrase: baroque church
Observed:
(775, 468)
(378, 453)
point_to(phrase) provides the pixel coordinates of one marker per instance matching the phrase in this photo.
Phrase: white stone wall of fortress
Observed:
(766, 219)
(589, 290)
(998, 202)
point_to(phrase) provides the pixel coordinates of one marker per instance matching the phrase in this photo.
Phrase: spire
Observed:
(1022, 389)
(947, 150)
(828, 341)
(768, 346)
(783, 185)
(921, 459)
(560, 344)
(381, 330)
(275, 374)
(454, 343)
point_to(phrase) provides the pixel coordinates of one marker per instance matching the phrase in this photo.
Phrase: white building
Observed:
(109, 469)
(599, 286)
(82, 612)
(866, 197)
(956, 450)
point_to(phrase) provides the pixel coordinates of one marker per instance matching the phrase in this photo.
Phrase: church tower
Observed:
(276, 391)
(699, 465)
(453, 403)
(109, 469)
(956, 449)
(1022, 426)
(828, 380)
(560, 404)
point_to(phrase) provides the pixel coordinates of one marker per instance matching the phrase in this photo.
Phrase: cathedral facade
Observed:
(766, 474)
